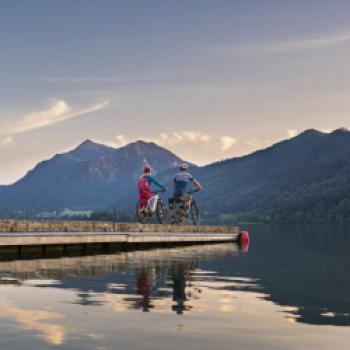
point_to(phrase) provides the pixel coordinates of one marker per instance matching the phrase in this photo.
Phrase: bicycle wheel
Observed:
(141, 211)
(161, 211)
(179, 214)
(194, 211)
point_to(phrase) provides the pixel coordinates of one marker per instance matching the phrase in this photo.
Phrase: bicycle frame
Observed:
(153, 202)
(182, 206)
(152, 207)
(189, 197)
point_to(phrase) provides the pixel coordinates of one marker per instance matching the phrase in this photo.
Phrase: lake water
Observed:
(290, 290)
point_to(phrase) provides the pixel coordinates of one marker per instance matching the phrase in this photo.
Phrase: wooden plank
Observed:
(100, 226)
(35, 239)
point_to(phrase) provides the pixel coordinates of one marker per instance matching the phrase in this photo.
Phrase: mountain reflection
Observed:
(307, 278)
(141, 278)
(301, 267)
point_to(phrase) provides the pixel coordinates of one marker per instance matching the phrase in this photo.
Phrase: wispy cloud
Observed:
(7, 141)
(278, 47)
(56, 113)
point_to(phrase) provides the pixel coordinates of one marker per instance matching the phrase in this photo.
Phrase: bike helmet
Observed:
(146, 170)
(183, 167)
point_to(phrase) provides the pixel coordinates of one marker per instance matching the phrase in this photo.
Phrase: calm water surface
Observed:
(291, 290)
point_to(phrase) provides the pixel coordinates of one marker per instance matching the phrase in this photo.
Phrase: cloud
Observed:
(120, 140)
(7, 141)
(56, 113)
(164, 139)
(188, 139)
(175, 138)
(54, 334)
(292, 133)
(278, 47)
(227, 142)
(327, 130)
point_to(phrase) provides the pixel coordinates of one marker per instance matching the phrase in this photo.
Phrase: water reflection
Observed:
(148, 280)
(142, 279)
(301, 267)
(287, 281)
(36, 320)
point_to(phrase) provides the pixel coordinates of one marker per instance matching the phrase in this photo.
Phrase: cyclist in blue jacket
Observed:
(181, 181)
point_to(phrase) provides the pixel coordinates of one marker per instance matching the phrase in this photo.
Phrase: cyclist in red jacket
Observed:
(144, 187)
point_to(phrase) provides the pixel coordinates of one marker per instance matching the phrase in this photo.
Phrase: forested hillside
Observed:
(306, 178)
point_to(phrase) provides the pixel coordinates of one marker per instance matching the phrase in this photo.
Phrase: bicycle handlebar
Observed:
(159, 191)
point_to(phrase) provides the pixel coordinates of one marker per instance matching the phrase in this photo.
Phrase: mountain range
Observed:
(91, 176)
(305, 178)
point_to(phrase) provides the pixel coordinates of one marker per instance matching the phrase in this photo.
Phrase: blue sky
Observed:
(206, 79)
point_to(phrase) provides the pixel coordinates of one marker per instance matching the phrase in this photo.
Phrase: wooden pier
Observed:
(45, 233)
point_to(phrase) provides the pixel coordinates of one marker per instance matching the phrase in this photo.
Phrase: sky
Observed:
(208, 80)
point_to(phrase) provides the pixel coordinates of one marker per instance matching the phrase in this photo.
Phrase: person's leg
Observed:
(141, 200)
(172, 202)
(144, 197)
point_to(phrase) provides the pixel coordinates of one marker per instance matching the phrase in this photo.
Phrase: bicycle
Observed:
(146, 209)
(186, 207)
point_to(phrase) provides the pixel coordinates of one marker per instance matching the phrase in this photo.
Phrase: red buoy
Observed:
(244, 241)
